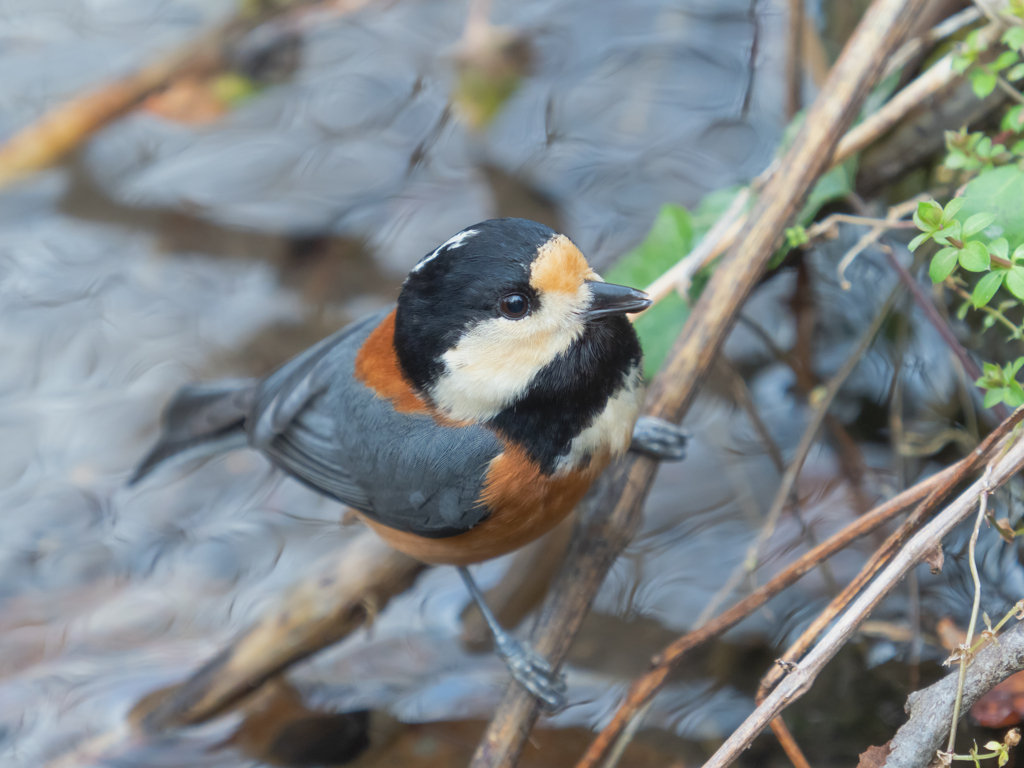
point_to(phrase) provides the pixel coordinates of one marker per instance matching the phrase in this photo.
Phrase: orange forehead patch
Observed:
(560, 267)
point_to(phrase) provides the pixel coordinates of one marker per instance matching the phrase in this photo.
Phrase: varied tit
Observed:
(462, 424)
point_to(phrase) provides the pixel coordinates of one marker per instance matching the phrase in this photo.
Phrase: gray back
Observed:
(315, 421)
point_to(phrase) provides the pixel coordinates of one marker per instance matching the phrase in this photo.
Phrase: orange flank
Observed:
(377, 367)
(525, 504)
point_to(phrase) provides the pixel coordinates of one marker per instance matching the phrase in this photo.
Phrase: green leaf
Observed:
(943, 264)
(983, 83)
(949, 230)
(974, 257)
(986, 288)
(977, 222)
(998, 192)
(1013, 120)
(670, 238)
(1015, 366)
(1013, 395)
(1015, 73)
(1014, 37)
(658, 329)
(1015, 281)
(952, 208)
(916, 243)
(961, 311)
(1004, 60)
(999, 247)
(930, 214)
(993, 397)
(955, 160)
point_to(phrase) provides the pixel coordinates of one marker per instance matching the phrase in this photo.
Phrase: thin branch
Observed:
(604, 532)
(939, 32)
(932, 491)
(799, 681)
(795, 59)
(965, 651)
(788, 743)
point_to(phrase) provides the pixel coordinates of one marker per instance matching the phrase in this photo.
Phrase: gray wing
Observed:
(316, 422)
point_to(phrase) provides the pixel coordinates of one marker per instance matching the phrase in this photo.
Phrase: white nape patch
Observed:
(450, 244)
(611, 431)
(494, 362)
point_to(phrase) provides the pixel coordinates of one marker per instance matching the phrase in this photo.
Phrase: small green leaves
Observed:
(796, 236)
(1000, 384)
(977, 223)
(974, 257)
(1015, 281)
(943, 263)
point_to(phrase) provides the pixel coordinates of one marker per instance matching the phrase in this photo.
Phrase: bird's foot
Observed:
(533, 672)
(659, 439)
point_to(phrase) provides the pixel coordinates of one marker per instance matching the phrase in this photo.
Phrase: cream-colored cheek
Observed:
(494, 363)
(611, 431)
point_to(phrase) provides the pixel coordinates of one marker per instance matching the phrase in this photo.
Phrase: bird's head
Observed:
(500, 304)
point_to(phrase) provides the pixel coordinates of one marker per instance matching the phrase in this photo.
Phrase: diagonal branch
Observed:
(607, 529)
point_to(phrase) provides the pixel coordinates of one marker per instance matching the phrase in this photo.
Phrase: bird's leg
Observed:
(659, 439)
(531, 670)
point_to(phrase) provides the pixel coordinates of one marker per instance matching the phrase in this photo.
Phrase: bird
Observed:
(462, 423)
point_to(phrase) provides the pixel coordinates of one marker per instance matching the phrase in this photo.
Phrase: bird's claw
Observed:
(659, 439)
(534, 673)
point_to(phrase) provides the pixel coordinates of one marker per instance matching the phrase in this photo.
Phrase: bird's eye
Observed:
(514, 306)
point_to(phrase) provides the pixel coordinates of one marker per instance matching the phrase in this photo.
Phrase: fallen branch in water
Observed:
(68, 125)
(799, 680)
(604, 532)
(319, 611)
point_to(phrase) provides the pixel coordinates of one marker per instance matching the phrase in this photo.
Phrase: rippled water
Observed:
(164, 253)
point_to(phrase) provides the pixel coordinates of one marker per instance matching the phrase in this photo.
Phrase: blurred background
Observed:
(255, 203)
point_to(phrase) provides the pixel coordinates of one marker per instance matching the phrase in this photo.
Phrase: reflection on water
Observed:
(166, 253)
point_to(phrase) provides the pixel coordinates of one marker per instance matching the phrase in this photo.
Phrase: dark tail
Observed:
(202, 419)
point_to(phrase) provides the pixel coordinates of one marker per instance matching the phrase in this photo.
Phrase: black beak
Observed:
(612, 299)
